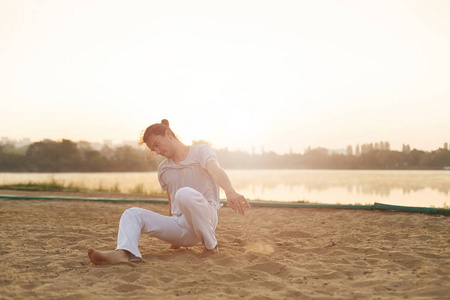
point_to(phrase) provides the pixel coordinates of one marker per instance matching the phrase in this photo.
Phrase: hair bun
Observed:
(165, 122)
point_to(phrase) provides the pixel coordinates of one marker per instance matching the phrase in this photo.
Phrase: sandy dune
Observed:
(271, 253)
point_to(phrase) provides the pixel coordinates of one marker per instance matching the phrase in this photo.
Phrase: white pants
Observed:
(196, 224)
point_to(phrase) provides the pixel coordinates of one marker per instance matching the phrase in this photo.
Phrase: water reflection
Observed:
(414, 188)
(361, 182)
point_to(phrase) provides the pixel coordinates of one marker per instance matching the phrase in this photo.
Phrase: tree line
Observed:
(320, 159)
(68, 156)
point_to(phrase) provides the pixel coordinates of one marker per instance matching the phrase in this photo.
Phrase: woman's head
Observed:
(158, 136)
(157, 129)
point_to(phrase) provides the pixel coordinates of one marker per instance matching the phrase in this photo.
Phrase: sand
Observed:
(271, 253)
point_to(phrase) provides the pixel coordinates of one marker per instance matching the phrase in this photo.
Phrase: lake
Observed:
(409, 188)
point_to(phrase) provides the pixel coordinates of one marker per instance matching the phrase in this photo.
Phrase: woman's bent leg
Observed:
(135, 221)
(199, 214)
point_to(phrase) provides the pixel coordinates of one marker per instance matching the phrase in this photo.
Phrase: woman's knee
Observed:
(132, 212)
(186, 195)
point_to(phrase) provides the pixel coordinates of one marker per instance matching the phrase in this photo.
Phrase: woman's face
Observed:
(162, 145)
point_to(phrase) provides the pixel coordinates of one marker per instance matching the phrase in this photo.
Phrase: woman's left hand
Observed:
(237, 202)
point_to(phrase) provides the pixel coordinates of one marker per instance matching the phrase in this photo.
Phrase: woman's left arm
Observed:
(235, 200)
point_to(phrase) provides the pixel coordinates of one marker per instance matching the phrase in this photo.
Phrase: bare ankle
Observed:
(208, 252)
(108, 257)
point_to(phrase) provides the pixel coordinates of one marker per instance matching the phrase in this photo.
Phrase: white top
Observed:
(192, 173)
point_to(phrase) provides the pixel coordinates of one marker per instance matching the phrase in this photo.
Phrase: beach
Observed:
(270, 253)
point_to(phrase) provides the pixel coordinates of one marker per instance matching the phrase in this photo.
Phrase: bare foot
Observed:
(206, 252)
(108, 257)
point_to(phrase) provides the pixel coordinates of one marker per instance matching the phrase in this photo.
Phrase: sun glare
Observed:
(229, 75)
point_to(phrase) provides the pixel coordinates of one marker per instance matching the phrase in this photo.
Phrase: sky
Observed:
(272, 75)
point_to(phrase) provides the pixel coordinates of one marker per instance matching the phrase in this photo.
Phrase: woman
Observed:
(191, 175)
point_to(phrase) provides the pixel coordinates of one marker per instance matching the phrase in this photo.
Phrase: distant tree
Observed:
(435, 159)
(10, 161)
(316, 158)
(94, 161)
(369, 160)
(391, 160)
(406, 148)
(413, 158)
(349, 150)
(236, 159)
(357, 152)
(51, 156)
(127, 158)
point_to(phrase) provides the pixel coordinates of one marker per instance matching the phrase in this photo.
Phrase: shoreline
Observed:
(142, 198)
